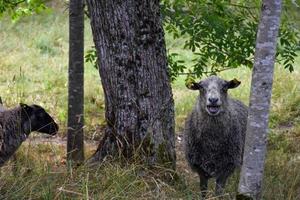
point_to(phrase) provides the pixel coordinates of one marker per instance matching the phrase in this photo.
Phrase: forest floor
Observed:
(33, 69)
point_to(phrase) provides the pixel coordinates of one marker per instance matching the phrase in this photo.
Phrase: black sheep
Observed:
(17, 123)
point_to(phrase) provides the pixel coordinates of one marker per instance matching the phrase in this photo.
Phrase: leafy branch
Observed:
(222, 35)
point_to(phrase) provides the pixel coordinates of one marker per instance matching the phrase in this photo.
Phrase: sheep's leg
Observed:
(203, 185)
(220, 184)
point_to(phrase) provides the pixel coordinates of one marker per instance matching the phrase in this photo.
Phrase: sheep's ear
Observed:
(233, 83)
(26, 109)
(25, 106)
(194, 86)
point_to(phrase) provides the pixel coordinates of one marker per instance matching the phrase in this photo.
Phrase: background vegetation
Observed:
(33, 69)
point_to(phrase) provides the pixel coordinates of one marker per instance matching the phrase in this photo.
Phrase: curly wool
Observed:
(214, 145)
(11, 133)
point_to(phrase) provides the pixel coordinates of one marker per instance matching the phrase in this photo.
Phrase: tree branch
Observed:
(242, 6)
(14, 3)
(208, 72)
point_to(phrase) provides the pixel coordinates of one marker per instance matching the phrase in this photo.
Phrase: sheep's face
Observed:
(35, 118)
(213, 93)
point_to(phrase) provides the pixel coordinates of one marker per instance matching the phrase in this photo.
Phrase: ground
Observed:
(33, 68)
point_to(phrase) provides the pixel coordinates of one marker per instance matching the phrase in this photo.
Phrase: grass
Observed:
(33, 69)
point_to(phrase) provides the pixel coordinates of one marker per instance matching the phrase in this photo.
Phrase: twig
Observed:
(208, 72)
(61, 189)
(186, 73)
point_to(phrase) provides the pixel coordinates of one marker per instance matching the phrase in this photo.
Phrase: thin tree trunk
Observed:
(75, 144)
(130, 45)
(250, 186)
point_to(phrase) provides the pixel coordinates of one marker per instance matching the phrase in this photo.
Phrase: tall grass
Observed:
(33, 69)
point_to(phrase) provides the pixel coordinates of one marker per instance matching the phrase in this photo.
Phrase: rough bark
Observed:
(75, 144)
(130, 45)
(250, 185)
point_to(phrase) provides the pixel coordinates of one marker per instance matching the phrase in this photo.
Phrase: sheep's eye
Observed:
(224, 89)
(202, 90)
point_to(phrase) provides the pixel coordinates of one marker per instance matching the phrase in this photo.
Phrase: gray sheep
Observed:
(17, 123)
(215, 132)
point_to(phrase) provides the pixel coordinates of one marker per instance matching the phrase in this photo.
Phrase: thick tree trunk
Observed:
(261, 89)
(75, 149)
(130, 45)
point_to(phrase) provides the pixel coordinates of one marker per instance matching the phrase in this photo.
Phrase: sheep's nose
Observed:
(213, 100)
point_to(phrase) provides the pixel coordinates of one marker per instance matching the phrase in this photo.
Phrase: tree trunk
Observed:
(75, 144)
(261, 89)
(139, 107)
